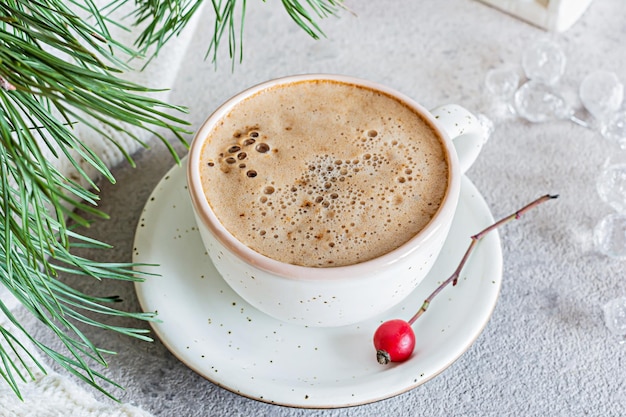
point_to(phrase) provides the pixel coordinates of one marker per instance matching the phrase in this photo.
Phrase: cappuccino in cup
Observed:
(323, 173)
(323, 199)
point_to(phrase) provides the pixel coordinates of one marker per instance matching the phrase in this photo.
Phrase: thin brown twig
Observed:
(475, 239)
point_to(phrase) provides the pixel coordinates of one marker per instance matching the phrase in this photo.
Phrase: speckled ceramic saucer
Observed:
(218, 335)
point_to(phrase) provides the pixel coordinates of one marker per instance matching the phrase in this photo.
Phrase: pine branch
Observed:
(167, 18)
(59, 70)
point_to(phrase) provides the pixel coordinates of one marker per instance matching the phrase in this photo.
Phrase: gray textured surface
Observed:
(546, 350)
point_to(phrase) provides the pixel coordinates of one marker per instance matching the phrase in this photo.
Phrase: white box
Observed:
(552, 15)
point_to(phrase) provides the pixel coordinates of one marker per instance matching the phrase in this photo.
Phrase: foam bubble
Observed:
(262, 148)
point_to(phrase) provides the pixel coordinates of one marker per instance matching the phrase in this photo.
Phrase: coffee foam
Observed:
(321, 173)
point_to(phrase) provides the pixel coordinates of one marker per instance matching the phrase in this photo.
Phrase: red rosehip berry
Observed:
(394, 341)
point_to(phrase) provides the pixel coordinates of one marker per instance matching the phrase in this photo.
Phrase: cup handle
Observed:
(466, 132)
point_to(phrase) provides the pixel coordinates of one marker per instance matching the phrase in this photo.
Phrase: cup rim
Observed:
(206, 215)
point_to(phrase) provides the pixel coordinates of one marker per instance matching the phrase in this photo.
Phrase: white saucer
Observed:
(221, 337)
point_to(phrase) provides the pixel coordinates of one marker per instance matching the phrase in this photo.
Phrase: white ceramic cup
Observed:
(341, 295)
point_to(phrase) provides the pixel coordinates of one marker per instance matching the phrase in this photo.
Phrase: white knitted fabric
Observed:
(53, 394)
